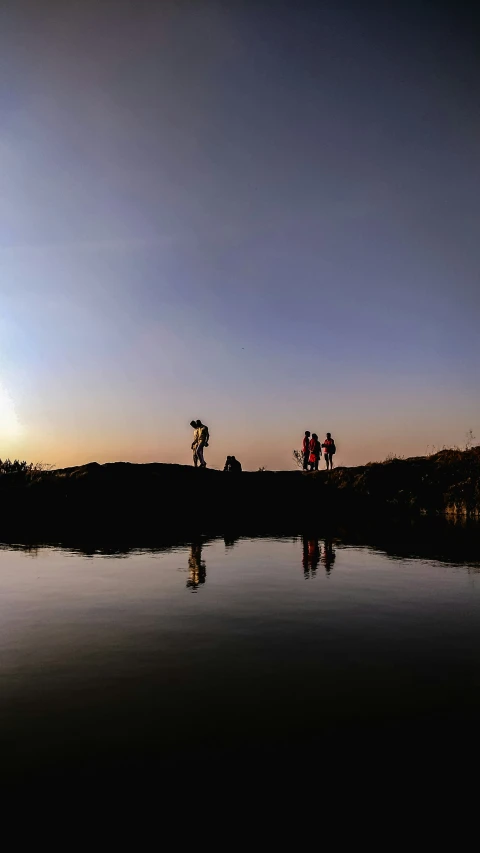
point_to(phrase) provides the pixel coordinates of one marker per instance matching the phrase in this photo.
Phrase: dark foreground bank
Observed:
(158, 496)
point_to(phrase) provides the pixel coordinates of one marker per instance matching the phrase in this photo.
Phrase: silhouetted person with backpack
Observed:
(202, 442)
(306, 450)
(315, 451)
(329, 449)
(195, 442)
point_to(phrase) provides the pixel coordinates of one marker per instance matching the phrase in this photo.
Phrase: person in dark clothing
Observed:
(315, 451)
(233, 465)
(329, 449)
(306, 450)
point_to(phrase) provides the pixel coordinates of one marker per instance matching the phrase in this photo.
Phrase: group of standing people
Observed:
(312, 451)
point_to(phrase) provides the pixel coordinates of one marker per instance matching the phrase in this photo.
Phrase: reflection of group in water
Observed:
(313, 554)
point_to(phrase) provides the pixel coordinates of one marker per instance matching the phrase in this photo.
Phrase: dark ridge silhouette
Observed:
(163, 498)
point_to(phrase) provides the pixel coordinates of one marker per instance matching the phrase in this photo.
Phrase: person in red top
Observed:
(315, 451)
(306, 450)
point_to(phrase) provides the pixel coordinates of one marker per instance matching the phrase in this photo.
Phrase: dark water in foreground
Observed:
(229, 650)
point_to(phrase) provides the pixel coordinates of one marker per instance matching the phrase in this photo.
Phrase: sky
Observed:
(264, 215)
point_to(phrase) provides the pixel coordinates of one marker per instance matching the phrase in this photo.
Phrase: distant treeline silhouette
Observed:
(15, 467)
(23, 467)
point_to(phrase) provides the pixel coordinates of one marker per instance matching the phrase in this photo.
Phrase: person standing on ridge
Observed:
(202, 442)
(306, 450)
(315, 451)
(194, 442)
(329, 449)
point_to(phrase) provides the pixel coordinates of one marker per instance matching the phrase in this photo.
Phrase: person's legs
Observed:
(326, 460)
(330, 456)
(305, 461)
(195, 457)
(315, 465)
(200, 454)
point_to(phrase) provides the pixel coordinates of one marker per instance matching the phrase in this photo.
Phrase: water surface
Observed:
(228, 647)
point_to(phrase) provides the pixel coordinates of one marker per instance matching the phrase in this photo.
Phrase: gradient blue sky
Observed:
(265, 215)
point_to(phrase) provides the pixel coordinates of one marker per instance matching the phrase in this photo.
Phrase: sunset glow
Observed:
(191, 231)
(10, 426)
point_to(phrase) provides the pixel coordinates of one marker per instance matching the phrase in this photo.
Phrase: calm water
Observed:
(227, 648)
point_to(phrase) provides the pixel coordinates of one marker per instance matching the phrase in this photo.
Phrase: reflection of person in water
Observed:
(311, 556)
(230, 540)
(197, 570)
(328, 555)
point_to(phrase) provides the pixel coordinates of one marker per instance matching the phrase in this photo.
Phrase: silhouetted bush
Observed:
(298, 458)
(28, 469)
(15, 467)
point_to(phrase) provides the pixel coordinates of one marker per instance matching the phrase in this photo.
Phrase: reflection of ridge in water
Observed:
(197, 570)
(449, 540)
